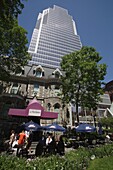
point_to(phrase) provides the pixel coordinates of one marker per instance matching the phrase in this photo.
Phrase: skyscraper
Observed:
(54, 36)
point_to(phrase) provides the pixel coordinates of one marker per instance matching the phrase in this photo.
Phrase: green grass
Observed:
(105, 163)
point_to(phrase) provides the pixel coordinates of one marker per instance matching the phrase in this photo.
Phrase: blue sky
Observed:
(94, 21)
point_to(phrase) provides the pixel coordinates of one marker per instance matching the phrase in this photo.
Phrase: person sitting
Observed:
(11, 142)
(39, 148)
(12, 138)
(48, 140)
(21, 141)
(52, 146)
(29, 140)
(60, 146)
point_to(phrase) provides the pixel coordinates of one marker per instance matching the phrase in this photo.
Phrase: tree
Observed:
(9, 9)
(13, 40)
(107, 123)
(83, 78)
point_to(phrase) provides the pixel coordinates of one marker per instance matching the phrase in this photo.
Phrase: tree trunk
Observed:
(73, 118)
(77, 114)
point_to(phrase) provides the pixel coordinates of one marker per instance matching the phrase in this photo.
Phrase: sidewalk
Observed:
(69, 149)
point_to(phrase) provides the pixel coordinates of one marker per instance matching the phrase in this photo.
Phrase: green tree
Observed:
(9, 9)
(107, 122)
(13, 40)
(83, 78)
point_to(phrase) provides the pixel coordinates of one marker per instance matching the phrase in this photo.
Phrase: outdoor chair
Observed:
(23, 152)
(32, 152)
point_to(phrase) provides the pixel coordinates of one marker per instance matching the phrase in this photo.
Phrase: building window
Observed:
(57, 109)
(36, 88)
(57, 75)
(48, 106)
(23, 71)
(57, 87)
(38, 73)
(14, 88)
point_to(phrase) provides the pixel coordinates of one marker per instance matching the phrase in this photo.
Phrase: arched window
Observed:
(48, 106)
(56, 106)
(57, 109)
(38, 72)
(57, 74)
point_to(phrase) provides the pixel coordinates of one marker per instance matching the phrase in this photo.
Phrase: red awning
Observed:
(17, 112)
(23, 113)
(49, 115)
(33, 107)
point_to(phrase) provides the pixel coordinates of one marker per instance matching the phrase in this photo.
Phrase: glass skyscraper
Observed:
(54, 36)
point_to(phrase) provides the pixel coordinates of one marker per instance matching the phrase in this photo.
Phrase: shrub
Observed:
(74, 160)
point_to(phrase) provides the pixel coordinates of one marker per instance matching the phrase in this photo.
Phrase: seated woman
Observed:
(12, 138)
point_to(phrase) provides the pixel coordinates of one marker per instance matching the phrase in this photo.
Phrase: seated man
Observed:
(52, 146)
(60, 146)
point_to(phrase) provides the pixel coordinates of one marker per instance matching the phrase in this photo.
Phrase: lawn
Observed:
(105, 163)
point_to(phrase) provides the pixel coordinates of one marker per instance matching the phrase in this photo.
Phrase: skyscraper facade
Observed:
(54, 36)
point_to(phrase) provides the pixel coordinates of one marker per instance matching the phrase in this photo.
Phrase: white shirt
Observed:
(48, 140)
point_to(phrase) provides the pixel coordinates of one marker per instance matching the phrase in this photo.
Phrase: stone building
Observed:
(37, 82)
(43, 84)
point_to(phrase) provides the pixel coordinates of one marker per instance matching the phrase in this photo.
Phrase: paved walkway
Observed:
(68, 149)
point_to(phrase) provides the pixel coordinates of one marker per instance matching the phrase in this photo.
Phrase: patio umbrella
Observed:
(54, 127)
(85, 128)
(31, 126)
